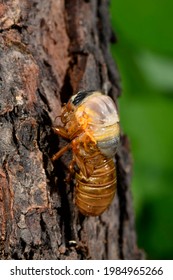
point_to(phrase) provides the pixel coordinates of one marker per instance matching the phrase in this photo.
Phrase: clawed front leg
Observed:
(63, 133)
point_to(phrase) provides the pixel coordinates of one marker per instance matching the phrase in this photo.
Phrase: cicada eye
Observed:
(80, 96)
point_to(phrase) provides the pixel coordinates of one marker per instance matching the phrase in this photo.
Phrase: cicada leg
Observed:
(71, 171)
(63, 133)
(60, 131)
(61, 152)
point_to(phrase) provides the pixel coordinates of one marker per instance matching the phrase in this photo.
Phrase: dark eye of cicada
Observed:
(80, 96)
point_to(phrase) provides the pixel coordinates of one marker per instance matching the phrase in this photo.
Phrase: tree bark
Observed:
(50, 50)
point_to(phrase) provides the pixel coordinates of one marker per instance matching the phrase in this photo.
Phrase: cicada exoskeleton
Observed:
(91, 123)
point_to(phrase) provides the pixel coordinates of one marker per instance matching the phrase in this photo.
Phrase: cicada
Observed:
(91, 124)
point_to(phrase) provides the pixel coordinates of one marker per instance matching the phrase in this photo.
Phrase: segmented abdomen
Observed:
(94, 194)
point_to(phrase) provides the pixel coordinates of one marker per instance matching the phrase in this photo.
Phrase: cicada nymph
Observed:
(91, 124)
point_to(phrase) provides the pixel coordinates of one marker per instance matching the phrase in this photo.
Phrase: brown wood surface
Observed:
(49, 50)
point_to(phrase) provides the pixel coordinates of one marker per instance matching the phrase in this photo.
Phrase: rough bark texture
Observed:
(49, 50)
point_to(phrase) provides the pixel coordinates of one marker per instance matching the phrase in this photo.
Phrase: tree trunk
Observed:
(50, 50)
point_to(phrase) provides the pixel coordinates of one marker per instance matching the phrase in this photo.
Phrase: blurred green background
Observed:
(144, 55)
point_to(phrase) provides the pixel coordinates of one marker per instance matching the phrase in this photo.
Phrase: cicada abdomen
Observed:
(95, 193)
(91, 123)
